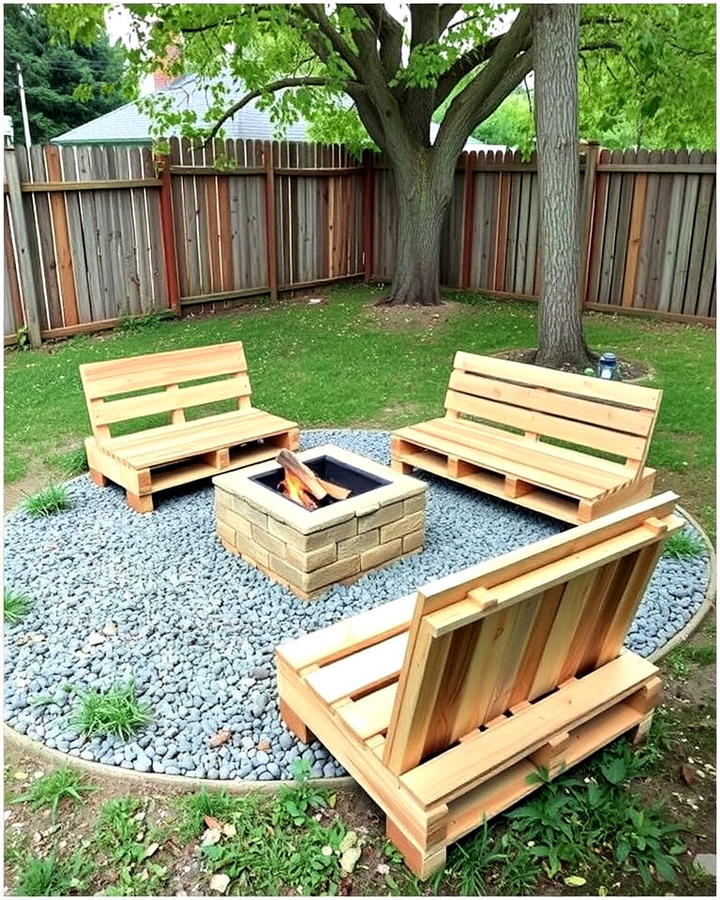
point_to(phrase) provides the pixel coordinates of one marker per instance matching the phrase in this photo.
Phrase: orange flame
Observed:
(292, 488)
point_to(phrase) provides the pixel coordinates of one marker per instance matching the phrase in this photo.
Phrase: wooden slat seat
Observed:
(473, 443)
(160, 457)
(440, 704)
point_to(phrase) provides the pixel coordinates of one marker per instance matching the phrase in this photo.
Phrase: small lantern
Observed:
(607, 367)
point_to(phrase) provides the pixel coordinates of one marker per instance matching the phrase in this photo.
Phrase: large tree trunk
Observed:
(561, 343)
(423, 190)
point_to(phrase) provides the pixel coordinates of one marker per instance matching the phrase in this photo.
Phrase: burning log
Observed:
(302, 485)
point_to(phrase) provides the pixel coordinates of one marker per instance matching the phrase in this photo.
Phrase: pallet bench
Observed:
(499, 419)
(442, 703)
(154, 459)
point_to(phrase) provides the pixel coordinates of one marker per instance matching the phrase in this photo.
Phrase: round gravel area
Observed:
(195, 627)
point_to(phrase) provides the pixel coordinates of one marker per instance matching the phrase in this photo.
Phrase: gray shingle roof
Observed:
(128, 125)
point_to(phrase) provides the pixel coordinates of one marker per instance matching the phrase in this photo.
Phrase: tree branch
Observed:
(315, 13)
(390, 34)
(446, 14)
(504, 70)
(464, 65)
(307, 81)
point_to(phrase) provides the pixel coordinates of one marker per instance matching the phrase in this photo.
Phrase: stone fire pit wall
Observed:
(310, 551)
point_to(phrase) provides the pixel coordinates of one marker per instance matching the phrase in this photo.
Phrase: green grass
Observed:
(49, 791)
(332, 364)
(16, 607)
(683, 545)
(74, 462)
(680, 660)
(116, 711)
(50, 876)
(51, 500)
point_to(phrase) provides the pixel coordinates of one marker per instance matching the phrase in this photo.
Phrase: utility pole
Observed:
(23, 105)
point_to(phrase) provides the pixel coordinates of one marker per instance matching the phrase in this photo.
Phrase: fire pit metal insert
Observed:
(382, 520)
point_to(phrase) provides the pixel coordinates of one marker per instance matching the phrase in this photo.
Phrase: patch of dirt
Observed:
(411, 318)
(696, 489)
(255, 305)
(629, 369)
(31, 483)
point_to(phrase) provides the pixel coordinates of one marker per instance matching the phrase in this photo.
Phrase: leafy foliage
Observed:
(66, 83)
(115, 711)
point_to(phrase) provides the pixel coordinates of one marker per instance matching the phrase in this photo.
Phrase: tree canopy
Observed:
(650, 82)
(66, 83)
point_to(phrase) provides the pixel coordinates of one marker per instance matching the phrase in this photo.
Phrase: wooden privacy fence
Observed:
(93, 234)
(648, 229)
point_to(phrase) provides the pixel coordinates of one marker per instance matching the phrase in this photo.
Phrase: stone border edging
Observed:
(163, 782)
(169, 783)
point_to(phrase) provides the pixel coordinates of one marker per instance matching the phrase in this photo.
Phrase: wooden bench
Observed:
(157, 458)
(493, 437)
(442, 703)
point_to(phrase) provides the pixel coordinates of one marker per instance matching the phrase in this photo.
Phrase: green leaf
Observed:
(615, 771)
(575, 881)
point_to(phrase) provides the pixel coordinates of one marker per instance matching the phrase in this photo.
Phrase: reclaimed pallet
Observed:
(154, 459)
(442, 703)
(499, 419)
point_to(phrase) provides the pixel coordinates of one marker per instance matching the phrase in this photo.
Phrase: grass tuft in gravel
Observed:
(16, 607)
(116, 711)
(49, 791)
(683, 545)
(52, 500)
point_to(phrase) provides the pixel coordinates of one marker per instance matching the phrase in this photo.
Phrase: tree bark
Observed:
(423, 191)
(561, 343)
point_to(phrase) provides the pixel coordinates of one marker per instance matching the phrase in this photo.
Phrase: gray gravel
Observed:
(196, 628)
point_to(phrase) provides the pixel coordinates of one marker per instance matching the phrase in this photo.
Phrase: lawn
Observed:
(346, 362)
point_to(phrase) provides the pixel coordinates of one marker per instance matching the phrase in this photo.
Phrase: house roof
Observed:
(128, 125)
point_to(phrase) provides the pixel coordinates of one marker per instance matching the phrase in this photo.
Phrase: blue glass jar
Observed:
(607, 367)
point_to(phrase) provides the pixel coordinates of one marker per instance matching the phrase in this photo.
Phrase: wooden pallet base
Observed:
(142, 484)
(423, 833)
(407, 455)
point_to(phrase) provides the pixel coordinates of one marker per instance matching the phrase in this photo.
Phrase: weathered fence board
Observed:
(112, 232)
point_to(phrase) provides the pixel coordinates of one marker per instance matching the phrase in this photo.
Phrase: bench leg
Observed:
(141, 504)
(638, 734)
(295, 724)
(421, 863)
(398, 465)
(98, 478)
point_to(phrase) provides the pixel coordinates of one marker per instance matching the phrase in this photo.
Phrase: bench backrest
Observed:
(603, 415)
(506, 632)
(166, 372)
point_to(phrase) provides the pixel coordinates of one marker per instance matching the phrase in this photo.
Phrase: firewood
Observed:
(335, 491)
(296, 467)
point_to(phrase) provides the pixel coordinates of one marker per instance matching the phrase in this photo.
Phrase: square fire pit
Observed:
(383, 519)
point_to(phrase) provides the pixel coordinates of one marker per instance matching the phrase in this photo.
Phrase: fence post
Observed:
(588, 200)
(167, 227)
(25, 263)
(468, 216)
(368, 212)
(270, 232)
